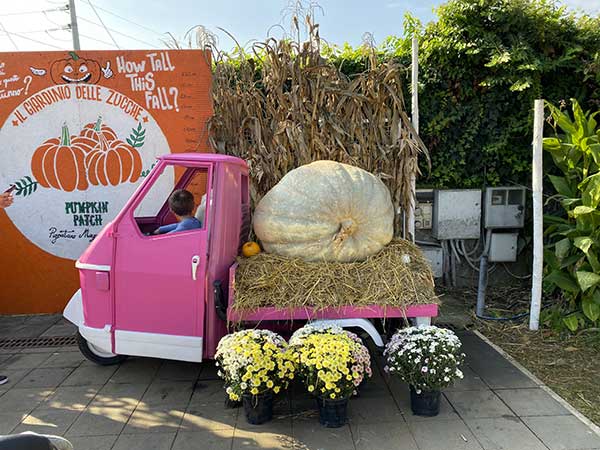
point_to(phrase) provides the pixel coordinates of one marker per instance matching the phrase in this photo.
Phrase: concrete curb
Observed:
(595, 428)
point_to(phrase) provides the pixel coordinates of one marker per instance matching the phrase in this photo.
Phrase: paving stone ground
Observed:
(151, 404)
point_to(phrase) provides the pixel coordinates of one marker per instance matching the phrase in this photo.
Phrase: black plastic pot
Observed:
(258, 408)
(427, 403)
(232, 404)
(333, 413)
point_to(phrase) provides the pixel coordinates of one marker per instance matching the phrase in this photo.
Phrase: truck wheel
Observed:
(96, 355)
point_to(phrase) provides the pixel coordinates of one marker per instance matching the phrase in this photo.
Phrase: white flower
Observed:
(446, 379)
(243, 385)
(424, 369)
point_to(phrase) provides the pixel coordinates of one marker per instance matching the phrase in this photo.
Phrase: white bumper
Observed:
(74, 310)
(99, 337)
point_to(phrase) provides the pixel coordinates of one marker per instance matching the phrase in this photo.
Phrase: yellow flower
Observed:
(269, 384)
(311, 388)
(276, 389)
(332, 395)
(254, 391)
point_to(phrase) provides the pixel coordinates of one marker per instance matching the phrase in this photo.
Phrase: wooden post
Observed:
(414, 84)
(538, 216)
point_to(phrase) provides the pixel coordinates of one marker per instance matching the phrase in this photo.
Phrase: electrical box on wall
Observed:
(435, 256)
(423, 216)
(457, 214)
(503, 247)
(424, 209)
(504, 207)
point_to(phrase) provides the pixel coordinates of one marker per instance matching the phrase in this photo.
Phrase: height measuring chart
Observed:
(80, 130)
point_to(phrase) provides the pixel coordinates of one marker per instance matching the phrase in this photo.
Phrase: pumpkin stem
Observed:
(65, 139)
(98, 125)
(74, 56)
(347, 228)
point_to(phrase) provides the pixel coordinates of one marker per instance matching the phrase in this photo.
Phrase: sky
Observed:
(140, 24)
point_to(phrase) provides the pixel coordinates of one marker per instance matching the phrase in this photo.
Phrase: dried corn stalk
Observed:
(302, 109)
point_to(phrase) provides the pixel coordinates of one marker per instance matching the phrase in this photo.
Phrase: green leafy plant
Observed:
(137, 136)
(25, 186)
(572, 267)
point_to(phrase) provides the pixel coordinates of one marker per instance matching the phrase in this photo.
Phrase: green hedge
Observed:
(482, 64)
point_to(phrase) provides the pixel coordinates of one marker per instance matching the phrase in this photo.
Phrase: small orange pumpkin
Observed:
(75, 70)
(250, 249)
(113, 163)
(60, 163)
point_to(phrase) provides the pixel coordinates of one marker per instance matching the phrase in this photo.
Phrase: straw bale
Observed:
(399, 275)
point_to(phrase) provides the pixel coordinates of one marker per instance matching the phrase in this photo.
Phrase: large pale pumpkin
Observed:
(326, 211)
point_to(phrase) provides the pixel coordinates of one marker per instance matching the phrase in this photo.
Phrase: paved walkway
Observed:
(150, 404)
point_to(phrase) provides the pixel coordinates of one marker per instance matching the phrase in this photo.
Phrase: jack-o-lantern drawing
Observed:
(60, 163)
(75, 70)
(113, 163)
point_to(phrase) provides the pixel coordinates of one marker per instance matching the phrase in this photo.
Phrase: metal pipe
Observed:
(482, 286)
(74, 27)
(483, 275)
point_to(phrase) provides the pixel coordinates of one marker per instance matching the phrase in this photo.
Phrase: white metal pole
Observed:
(74, 27)
(538, 216)
(414, 84)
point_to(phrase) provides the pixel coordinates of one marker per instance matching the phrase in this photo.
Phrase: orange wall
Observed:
(35, 279)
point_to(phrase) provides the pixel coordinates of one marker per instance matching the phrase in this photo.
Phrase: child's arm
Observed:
(165, 228)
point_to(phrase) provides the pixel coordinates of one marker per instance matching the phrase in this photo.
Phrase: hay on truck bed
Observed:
(382, 279)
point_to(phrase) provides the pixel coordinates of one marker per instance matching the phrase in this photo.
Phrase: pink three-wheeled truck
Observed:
(170, 296)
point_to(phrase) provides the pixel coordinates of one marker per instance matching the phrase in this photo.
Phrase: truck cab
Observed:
(162, 295)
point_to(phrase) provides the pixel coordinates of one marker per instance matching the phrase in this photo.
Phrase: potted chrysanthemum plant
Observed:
(332, 363)
(428, 359)
(255, 364)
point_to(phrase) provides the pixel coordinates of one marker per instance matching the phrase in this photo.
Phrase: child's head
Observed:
(181, 202)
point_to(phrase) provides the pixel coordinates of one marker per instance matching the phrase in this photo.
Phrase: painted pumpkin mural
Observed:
(49, 110)
(113, 163)
(95, 129)
(75, 70)
(97, 156)
(59, 163)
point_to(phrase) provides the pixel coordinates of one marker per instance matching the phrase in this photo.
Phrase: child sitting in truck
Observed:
(181, 203)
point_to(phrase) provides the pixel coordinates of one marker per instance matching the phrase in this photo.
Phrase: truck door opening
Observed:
(153, 210)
